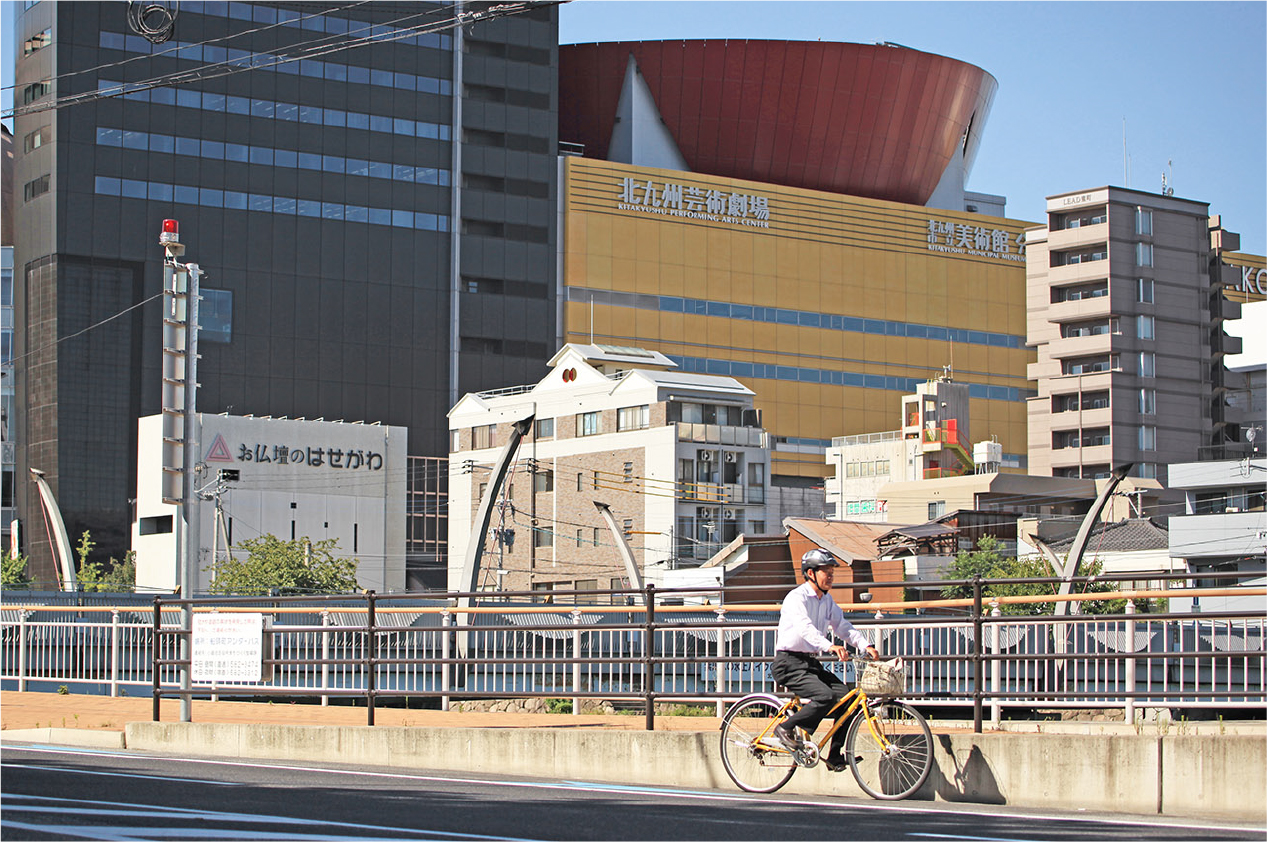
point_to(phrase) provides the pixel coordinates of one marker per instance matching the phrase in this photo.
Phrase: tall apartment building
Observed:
(1126, 307)
(372, 198)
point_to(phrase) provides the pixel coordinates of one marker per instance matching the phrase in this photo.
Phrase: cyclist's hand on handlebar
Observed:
(873, 653)
(840, 652)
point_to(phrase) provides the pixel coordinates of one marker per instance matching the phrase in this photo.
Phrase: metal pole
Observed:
(446, 620)
(371, 653)
(996, 669)
(114, 653)
(648, 657)
(190, 497)
(1130, 661)
(154, 656)
(718, 681)
(576, 665)
(22, 651)
(325, 656)
(977, 663)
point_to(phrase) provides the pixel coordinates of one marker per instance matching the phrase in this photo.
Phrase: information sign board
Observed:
(228, 648)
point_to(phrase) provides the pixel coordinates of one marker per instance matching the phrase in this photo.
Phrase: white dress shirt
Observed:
(806, 618)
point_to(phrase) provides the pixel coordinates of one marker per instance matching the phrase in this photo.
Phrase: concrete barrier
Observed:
(80, 737)
(1208, 776)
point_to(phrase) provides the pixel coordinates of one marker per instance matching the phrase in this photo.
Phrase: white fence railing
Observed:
(502, 650)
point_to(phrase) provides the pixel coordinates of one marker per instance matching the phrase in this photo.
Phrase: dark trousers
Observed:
(818, 689)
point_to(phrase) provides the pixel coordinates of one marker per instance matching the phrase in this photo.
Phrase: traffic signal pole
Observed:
(180, 392)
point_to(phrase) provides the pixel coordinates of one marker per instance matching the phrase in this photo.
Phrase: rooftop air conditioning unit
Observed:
(731, 514)
(706, 455)
(730, 456)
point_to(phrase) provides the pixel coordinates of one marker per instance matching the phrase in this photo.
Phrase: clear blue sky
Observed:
(1188, 78)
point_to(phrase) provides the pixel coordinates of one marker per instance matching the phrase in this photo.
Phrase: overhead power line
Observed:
(260, 60)
(173, 52)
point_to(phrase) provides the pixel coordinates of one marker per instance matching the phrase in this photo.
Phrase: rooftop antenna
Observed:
(1167, 187)
(591, 318)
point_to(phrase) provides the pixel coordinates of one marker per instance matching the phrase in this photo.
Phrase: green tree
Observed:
(13, 572)
(989, 563)
(272, 565)
(113, 576)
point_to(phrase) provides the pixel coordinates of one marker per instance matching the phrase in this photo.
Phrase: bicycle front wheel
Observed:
(756, 763)
(894, 760)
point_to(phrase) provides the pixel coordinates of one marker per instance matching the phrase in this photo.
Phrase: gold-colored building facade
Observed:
(829, 307)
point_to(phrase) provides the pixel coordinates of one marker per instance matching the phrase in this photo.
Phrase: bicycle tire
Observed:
(751, 766)
(897, 773)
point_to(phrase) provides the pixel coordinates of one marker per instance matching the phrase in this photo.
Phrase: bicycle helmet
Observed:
(816, 559)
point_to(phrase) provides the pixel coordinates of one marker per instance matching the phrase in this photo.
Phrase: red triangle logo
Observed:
(219, 451)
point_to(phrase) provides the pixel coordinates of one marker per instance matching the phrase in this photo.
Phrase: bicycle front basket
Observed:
(886, 678)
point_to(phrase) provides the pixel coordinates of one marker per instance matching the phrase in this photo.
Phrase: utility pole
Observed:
(180, 425)
(221, 483)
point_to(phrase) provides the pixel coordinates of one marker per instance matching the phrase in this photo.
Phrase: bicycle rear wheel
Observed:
(897, 762)
(753, 763)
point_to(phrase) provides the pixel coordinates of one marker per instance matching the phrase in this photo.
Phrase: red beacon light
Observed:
(171, 232)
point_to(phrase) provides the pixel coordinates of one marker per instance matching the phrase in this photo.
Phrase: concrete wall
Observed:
(1209, 776)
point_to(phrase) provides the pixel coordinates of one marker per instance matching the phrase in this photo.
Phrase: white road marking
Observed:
(897, 806)
(50, 805)
(119, 774)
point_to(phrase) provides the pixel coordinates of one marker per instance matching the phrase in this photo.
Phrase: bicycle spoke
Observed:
(751, 760)
(892, 753)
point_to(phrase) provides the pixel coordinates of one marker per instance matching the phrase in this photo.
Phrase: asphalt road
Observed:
(53, 792)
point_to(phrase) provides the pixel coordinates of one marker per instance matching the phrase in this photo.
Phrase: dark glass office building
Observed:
(371, 196)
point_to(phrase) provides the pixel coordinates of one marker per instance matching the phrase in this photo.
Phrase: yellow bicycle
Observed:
(888, 746)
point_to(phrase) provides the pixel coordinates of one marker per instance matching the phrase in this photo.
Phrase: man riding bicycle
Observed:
(808, 613)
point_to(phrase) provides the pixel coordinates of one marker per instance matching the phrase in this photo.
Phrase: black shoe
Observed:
(835, 763)
(785, 736)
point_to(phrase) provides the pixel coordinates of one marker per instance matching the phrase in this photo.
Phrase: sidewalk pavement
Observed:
(24, 711)
(20, 711)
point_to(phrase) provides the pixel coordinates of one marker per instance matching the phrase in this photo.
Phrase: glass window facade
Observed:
(317, 193)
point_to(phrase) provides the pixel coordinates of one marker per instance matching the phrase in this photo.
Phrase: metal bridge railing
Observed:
(381, 647)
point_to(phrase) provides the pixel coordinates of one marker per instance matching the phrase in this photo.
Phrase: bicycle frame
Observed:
(855, 699)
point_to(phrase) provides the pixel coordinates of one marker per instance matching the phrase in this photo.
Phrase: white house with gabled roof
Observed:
(680, 459)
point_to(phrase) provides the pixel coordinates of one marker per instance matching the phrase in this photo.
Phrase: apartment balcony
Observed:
(1071, 384)
(1074, 238)
(1084, 308)
(722, 434)
(1071, 457)
(702, 492)
(1081, 346)
(1092, 270)
(1086, 419)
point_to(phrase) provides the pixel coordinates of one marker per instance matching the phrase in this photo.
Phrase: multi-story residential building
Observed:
(1126, 311)
(370, 189)
(678, 457)
(1223, 528)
